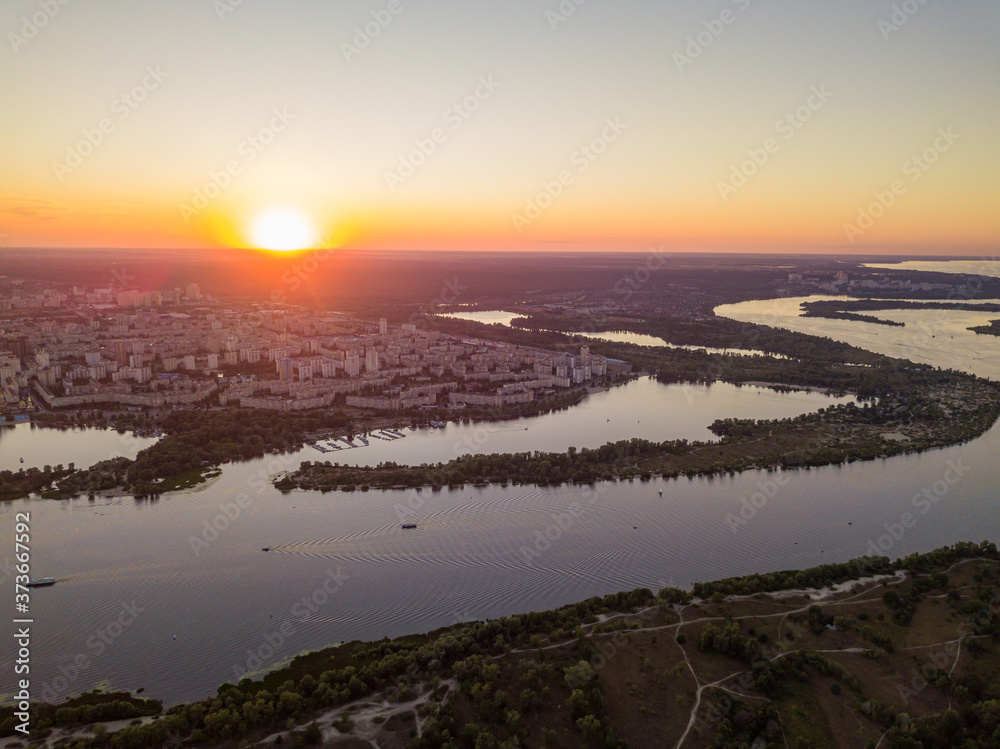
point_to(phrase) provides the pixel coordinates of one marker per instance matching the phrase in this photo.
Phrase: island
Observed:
(992, 329)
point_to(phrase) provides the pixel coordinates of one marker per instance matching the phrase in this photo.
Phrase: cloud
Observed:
(42, 209)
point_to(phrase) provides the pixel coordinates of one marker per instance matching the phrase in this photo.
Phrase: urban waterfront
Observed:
(193, 562)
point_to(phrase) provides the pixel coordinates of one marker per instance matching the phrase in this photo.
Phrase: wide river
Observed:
(152, 595)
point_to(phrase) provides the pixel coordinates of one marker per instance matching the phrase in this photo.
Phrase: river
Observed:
(208, 605)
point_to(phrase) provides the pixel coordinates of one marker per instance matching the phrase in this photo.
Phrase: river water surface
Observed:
(210, 603)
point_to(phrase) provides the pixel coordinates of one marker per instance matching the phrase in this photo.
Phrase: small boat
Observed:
(41, 582)
(408, 525)
(266, 548)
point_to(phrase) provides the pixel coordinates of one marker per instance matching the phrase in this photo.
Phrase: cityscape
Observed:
(161, 349)
(520, 375)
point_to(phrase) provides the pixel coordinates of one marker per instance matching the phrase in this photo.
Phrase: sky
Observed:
(762, 125)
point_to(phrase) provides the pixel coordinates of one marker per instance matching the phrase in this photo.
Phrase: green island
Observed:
(904, 407)
(870, 653)
(992, 329)
(849, 309)
(196, 442)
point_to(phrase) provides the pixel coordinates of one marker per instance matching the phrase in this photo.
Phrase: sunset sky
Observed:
(521, 124)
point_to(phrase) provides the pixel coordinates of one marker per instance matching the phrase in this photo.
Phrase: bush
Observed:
(312, 735)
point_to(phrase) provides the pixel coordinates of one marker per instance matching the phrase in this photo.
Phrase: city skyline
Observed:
(730, 126)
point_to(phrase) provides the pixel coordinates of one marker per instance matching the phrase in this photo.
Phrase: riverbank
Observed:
(946, 412)
(193, 444)
(823, 656)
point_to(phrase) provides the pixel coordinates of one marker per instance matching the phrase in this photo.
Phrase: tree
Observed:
(312, 735)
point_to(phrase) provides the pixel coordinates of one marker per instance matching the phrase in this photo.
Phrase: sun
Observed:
(283, 229)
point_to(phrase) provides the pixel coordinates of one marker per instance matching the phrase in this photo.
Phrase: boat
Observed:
(41, 582)
(408, 525)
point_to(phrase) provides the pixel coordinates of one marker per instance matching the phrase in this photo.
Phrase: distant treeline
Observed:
(194, 441)
(578, 466)
(847, 309)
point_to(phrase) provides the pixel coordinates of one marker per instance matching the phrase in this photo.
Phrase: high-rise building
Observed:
(9, 367)
(285, 368)
(371, 360)
(383, 326)
(352, 364)
(122, 351)
(18, 346)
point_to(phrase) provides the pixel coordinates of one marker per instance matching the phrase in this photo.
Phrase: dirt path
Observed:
(364, 713)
